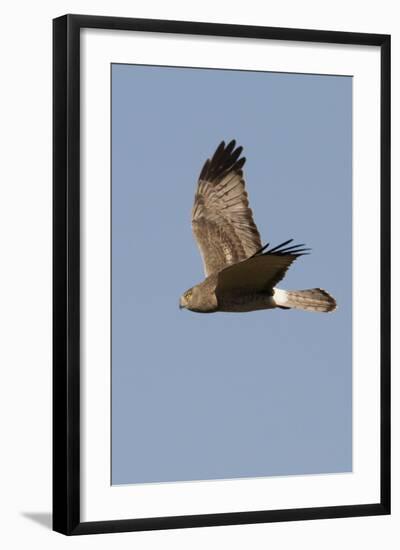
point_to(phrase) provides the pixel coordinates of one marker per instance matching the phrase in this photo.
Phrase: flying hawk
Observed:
(241, 274)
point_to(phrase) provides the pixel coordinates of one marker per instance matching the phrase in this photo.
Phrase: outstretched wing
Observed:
(222, 221)
(261, 272)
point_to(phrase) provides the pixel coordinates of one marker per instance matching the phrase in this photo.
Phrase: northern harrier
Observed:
(241, 274)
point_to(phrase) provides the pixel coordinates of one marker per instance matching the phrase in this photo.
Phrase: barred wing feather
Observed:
(222, 220)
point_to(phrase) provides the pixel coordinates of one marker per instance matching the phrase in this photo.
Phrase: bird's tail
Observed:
(314, 299)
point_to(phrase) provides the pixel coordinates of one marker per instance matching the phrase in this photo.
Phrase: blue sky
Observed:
(228, 395)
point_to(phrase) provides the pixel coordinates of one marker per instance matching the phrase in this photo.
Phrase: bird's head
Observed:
(199, 298)
(186, 299)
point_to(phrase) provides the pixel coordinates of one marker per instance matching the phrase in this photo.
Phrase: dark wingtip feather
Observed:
(280, 246)
(224, 159)
(240, 163)
(235, 154)
(218, 154)
(204, 170)
(230, 147)
(282, 249)
(260, 250)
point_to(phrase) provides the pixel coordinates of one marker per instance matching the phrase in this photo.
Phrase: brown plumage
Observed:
(222, 221)
(240, 274)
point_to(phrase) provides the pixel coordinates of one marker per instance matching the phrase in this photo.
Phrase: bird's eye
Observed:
(188, 294)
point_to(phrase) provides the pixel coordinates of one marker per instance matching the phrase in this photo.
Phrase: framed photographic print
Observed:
(221, 274)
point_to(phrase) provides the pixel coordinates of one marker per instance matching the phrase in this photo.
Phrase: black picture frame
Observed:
(66, 273)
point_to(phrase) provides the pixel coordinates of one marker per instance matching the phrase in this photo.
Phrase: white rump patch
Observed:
(280, 296)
